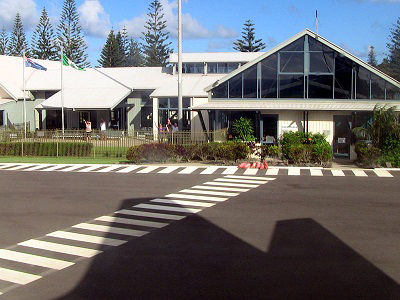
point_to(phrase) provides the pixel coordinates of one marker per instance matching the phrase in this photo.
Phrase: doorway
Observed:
(269, 128)
(342, 136)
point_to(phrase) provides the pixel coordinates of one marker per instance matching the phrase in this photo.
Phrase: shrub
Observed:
(243, 129)
(134, 154)
(46, 149)
(321, 152)
(367, 155)
(392, 157)
(270, 151)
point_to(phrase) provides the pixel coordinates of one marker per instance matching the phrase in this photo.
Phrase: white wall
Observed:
(196, 124)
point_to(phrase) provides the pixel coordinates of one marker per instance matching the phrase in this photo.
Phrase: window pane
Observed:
(194, 68)
(377, 87)
(212, 68)
(343, 68)
(320, 86)
(235, 86)
(185, 102)
(162, 117)
(268, 77)
(315, 45)
(1, 118)
(163, 102)
(173, 102)
(220, 91)
(250, 82)
(291, 86)
(232, 67)
(321, 62)
(292, 61)
(297, 45)
(222, 68)
(362, 83)
(146, 114)
(392, 92)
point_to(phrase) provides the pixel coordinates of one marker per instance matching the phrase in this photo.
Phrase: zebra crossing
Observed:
(198, 170)
(33, 259)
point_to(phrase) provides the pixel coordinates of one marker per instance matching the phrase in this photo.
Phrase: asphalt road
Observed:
(296, 237)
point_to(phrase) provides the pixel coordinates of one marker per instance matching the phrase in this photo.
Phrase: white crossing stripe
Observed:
(359, 173)
(210, 170)
(188, 170)
(91, 168)
(195, 197)
(17, 277)
(148, 169)
(20, 167)
(128, 169)
(168, 208)
(5, 166)
(272, 172)
(131, 221)
(241, 180)
(86, 238)
(149, 214)
(78, 251)
(232, 184)
(36, 260)
(183, 202)
(230, 170)
(250, 177)
(219, 188)
(168, 170)
(53, 168)
(382, 173)
(336, 172)
(250, 171)
(293, 171)
(108, 169)
(110, 229)
(71, 168)
(37, 167)
(316, 172)
(215, 193)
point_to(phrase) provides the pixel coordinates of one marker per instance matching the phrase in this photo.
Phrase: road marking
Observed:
(316, 172)
(168, 208)
(230, 170)
(86, 238)
(36, 260)
(195, 197)
(149, 214)
(91, 168)
(183, 202)
(168, 170)
(61, 248)
(215, 193)
(359, 173)
(128, 169)
(17, 277)
(5, 166)
(110, 229)
(148, 169)
(108, 169)
(210, 170)
(250, 177)
(37, 167)
(20, 167)
(250, 171)
(219, 188)
(131, 221)
(232, 184)
(336, 172)
(382, 173)
(240, 180)
(294, 171)
(188, 170)
(53, 168)
(71, 168)
(272, 172)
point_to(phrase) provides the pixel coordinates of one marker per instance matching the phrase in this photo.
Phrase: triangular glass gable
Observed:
(307, 69)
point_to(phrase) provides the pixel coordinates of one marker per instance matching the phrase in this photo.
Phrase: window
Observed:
(146, 112)
(220, 91)
(195, 68)
(315, 45)
(212, 68)
(377, 87)
(1, 117)
(250, 82)
(362, 83)
(292, 62)
(297, 45)
(221, 67)
(321, 62)
(320, 86)
(235, 86)
(169, 110)
(392, 92)
(268, 77)
(343, 71)
(291, 86)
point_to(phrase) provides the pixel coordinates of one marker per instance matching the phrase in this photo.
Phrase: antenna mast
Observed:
(316, 21)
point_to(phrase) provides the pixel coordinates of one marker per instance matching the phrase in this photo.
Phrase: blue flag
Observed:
(32, 64)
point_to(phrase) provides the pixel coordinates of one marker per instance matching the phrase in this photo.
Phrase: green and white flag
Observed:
(67, 62)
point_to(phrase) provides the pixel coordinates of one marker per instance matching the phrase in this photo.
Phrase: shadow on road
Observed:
(194, 259)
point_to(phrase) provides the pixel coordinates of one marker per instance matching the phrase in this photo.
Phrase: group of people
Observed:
(88, 129)
(169, 128)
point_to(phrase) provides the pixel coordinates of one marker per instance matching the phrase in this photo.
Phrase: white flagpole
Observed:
(62, 91)
(23, 88)
(180, 110)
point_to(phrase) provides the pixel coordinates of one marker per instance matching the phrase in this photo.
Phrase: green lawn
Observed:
(62, 160)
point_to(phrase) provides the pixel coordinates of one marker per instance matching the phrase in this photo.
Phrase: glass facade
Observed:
(306, 69)
(2, 118)
(168, 109)
(221, 67)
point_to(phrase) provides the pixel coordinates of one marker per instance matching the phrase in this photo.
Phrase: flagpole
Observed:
(23, 88)
(180, 110)
(62, 91)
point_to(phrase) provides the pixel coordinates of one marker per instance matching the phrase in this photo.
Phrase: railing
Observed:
(113, 143)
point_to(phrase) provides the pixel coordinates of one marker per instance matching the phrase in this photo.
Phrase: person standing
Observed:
(88, 130)
(103, 128)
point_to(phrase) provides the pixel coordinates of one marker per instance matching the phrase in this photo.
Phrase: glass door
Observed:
(342, 136)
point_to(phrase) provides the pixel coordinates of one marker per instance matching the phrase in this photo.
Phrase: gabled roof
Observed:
(294, 38)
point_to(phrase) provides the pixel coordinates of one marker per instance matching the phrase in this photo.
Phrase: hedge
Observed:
(45, 149)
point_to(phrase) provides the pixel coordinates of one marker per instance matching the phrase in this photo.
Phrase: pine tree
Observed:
(70, 35)
(248, 43)
(3, 41)
(107, 56)
(120, 52)
(372, 56)
(125, 40)
(17, 41)
(155, 47)
(134, 57)
(42, 45)
(394, 50)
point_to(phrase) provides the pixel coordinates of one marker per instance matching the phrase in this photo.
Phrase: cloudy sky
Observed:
(213, 25)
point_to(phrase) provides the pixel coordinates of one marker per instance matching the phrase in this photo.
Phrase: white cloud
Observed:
(94, 20)
(26, 9)
(192, 28)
